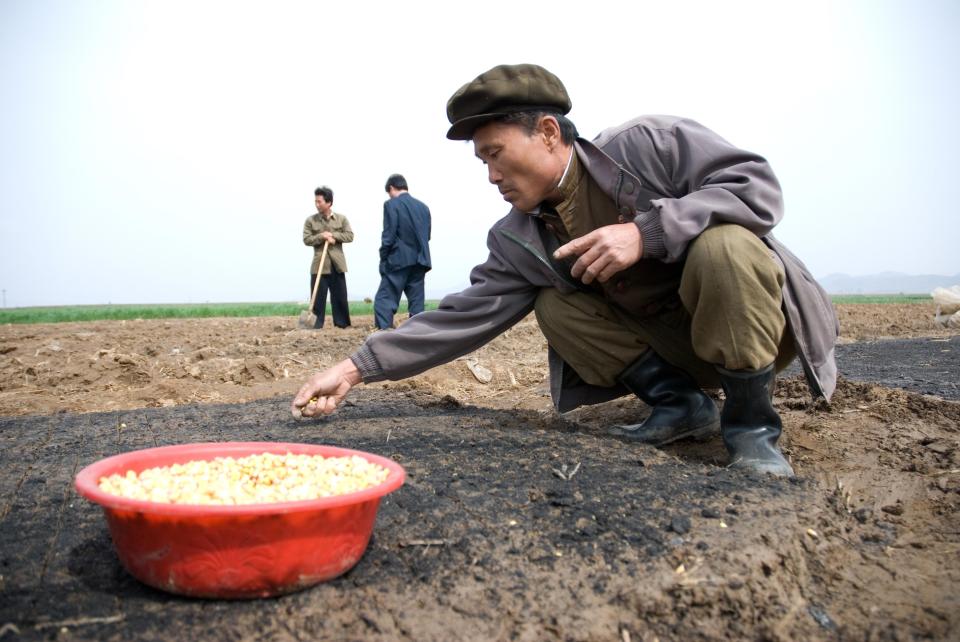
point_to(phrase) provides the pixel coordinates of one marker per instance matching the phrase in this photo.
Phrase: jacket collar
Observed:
(615, 181)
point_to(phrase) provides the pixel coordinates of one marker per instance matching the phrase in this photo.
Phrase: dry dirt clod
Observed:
(680, 524)
(863, 514)
(942, 446)
(893, 509)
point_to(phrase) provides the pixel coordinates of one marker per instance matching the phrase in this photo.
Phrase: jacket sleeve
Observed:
(710, 182)
(498, 297)
(309, 238)
(389, 237)
(345, 233)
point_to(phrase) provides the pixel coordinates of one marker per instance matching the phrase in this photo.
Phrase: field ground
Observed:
(117, 365)
(641, 544)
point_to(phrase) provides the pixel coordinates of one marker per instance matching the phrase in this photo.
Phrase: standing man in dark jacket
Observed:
(328, 227)
(404, 253)
(649, 260)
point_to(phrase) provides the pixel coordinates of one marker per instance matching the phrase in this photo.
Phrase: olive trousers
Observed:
(729, 314)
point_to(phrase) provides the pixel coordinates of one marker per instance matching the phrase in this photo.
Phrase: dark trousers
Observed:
(409, 281)
(336, 282)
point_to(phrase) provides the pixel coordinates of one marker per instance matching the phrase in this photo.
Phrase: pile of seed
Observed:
(254, 479)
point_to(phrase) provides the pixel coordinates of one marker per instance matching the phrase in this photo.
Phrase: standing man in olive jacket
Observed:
(327, 226)
(404, 253)
(649, 260)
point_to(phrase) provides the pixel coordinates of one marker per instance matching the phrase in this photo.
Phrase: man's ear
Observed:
(549, 128)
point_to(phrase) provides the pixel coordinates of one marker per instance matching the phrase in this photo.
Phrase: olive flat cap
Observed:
(505, 89)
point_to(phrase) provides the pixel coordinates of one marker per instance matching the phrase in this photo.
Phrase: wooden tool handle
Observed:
(316, 284)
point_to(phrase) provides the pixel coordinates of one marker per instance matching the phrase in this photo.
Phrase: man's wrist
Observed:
(350, 372)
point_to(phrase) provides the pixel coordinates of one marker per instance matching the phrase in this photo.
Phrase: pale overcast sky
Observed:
(167, 151)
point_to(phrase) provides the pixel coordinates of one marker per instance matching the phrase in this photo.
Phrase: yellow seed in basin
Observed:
(253, 479)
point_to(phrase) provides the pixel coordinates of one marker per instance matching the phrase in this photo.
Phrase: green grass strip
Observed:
(68, 313)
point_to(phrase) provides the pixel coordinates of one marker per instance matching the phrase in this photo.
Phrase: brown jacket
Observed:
(339, 226)
(673, 178)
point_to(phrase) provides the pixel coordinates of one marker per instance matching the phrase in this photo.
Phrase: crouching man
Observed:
(648, 259)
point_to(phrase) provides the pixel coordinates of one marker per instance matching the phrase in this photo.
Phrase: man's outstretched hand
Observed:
(603, 252)
(324, 391)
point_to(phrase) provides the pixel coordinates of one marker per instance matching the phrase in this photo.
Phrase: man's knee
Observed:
(562, 314)
(724, 243)
(730, 262)
(587, 334)
(732, 287)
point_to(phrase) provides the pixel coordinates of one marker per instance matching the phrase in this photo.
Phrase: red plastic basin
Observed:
(249, 551)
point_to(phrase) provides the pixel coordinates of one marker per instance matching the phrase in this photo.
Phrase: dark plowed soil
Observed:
(521, 525)
(929, 366)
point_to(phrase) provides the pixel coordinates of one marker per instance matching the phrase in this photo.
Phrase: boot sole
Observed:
(701, 433)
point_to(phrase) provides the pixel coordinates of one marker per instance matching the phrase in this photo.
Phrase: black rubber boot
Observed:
(680, 408)
(750, 424)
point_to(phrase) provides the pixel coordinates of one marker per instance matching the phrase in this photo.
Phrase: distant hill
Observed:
(886, 283)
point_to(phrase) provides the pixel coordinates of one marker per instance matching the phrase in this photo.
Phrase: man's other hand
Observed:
(603, 252)
(324, 391)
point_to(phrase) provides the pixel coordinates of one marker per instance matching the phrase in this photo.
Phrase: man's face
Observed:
(524, 167)
(322, 205)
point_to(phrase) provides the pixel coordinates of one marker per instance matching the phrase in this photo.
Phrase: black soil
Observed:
(519, 551)
(926, 366)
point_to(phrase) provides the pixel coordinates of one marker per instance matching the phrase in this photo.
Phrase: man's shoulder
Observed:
(651, 122)
(412, 198)
(411, 201)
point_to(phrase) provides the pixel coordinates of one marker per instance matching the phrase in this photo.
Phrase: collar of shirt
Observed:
(566, 171)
